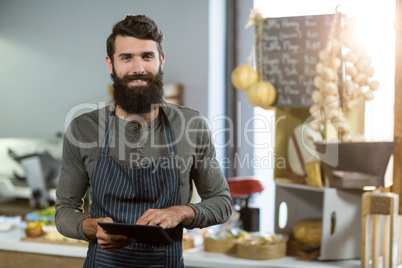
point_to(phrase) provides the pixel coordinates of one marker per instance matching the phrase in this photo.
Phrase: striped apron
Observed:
(124, 193)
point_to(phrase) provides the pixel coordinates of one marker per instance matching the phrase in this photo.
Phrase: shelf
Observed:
(301, 186)
(339, 210)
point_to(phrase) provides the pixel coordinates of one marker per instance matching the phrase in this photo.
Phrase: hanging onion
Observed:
(262, 94)
(323, 55)
(351, 71)
(369, 95)
(243, 76)
(331, 88)
(351, 57)
(370, 71)
(314, 108)
(349, 86)
(318, 81)
(336, 63)
(373, 85)
(319, 67)
(316, 96)
(361, 79)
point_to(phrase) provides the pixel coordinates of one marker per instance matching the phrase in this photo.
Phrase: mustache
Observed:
(145, 77)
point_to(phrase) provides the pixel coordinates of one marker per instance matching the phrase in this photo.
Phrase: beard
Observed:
(138, 99)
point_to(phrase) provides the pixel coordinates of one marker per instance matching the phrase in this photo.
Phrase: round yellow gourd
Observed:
(308, 231)
(243, 76)
(262, 94)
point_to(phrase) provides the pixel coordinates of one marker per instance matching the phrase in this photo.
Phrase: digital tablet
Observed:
(155, 235)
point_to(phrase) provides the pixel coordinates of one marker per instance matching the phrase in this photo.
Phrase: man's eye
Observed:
(148, 57)
(125, 58)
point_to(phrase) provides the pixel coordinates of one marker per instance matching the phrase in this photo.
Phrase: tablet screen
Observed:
(155, 235)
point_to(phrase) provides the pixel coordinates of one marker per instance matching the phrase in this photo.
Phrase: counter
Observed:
(10, 243)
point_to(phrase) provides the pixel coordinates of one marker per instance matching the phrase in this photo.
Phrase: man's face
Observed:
(136, 72)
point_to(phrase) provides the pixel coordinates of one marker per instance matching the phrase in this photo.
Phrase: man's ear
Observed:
(109, 64)
(162, 60)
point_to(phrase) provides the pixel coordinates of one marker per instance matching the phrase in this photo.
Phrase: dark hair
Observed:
(138, 26)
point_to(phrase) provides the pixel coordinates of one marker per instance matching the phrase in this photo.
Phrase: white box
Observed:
(342, 208)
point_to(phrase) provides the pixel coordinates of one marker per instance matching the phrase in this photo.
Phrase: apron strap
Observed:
(168, 133)
(106, 140)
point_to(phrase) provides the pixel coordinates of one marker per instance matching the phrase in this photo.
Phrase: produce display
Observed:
(329, 105)
(244, 77)
(259, 239)
(9, 221)
(52, 235)
(50, 211)
(188, 240)
(34, 229)
(254, 245)
(37, 220)
(343, 61)
(40, 227)
(44, 215)
(305, 239)
(262, 94)
(262, 246)
(224, 240)
(308, 231)
(358, 82)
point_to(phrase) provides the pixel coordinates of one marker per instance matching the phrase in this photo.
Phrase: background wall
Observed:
(245, 111)
(52, 57)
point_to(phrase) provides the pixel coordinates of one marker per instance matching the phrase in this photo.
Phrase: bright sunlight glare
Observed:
(375, 20)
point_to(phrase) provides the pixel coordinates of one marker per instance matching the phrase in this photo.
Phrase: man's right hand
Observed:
(108, 242)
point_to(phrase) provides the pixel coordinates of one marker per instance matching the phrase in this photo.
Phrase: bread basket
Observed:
(220, 245)
(262, 247)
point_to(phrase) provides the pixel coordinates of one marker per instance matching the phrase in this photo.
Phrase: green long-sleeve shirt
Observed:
(130, 146)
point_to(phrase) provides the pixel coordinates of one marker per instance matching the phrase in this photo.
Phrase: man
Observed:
(138, 158)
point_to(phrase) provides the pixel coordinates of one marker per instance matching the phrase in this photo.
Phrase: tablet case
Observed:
(148, 234)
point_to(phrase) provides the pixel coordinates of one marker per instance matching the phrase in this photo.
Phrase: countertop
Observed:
(195, 257)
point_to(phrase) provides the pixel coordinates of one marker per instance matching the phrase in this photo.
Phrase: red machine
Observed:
(241, 190)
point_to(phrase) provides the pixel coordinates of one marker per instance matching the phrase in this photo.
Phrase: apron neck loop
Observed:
(166, 126)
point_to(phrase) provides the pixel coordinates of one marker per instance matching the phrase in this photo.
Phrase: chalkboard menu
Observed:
(290, 47)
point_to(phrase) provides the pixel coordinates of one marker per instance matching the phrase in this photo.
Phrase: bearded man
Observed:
(138, 160)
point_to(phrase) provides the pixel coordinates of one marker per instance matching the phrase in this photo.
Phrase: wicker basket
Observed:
(220, 245)
(188, 241)
(261, 252)
(187, 244)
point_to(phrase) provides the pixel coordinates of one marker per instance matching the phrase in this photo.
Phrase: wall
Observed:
(52, 57)
(245, 111)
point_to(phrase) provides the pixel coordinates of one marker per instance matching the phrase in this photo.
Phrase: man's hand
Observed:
(108, 242)
(168, 218)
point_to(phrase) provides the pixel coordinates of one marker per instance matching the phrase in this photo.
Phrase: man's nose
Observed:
(137, 66)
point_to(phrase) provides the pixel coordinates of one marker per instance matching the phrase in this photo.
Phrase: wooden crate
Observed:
(340, 212)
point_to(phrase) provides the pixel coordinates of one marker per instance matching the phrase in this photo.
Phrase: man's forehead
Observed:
(135, 45)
